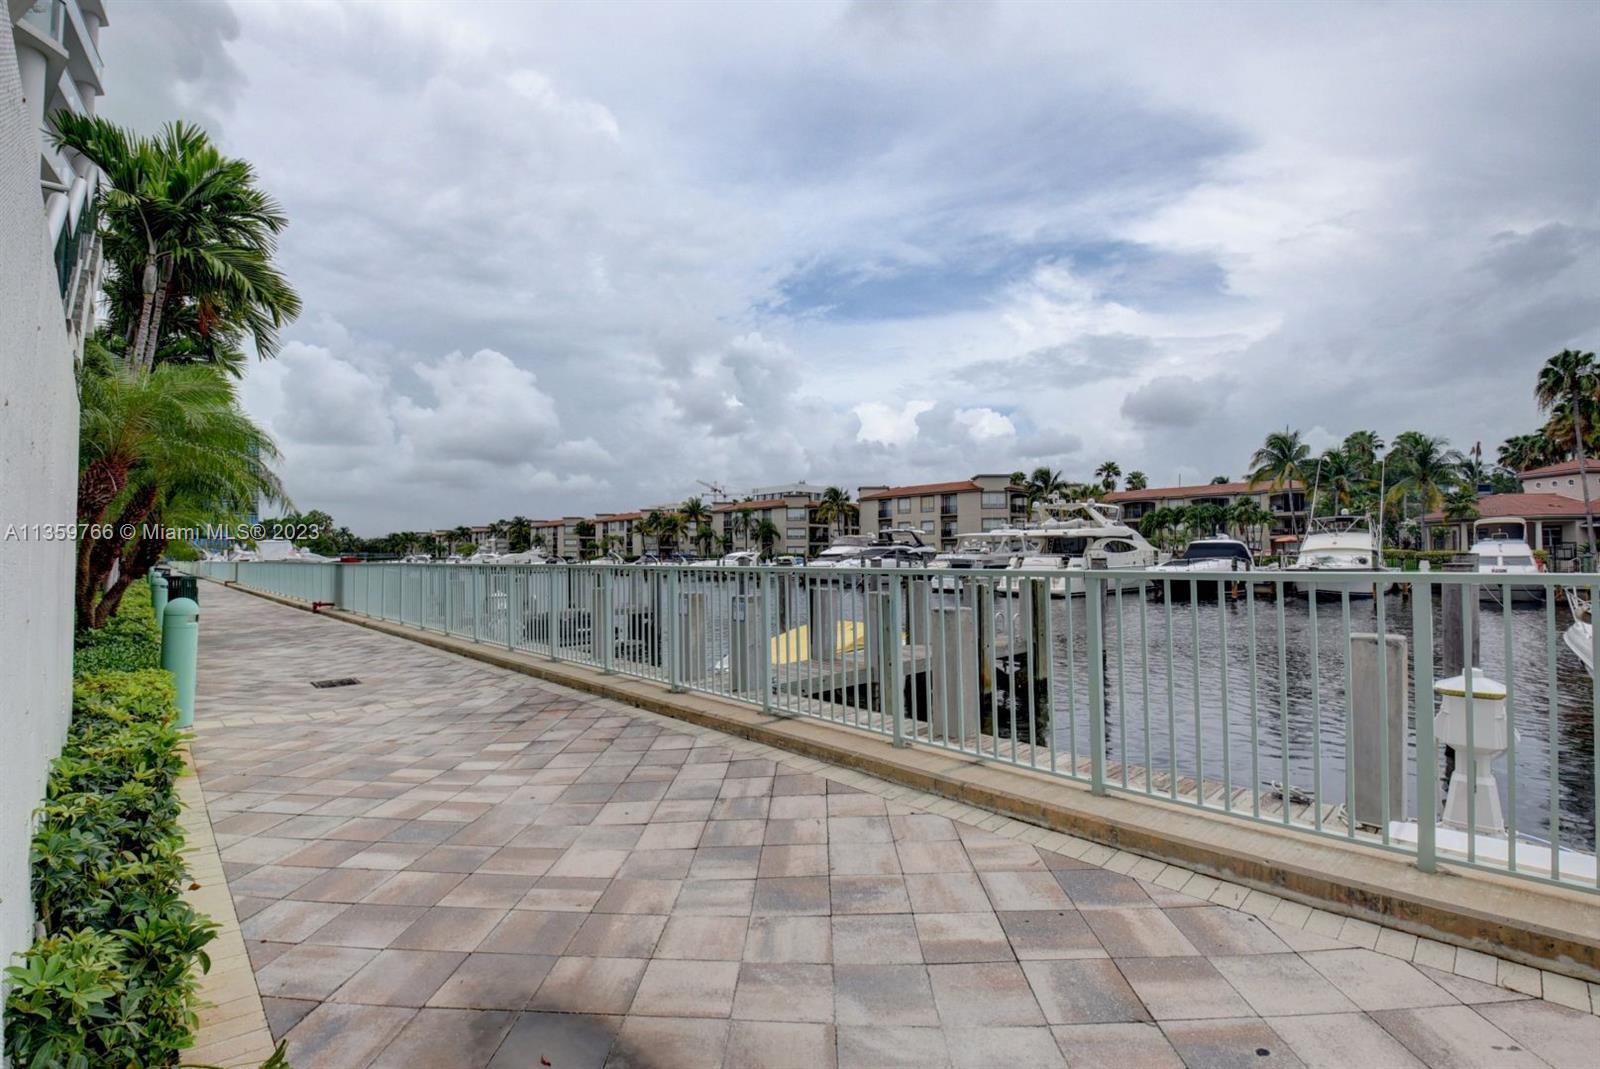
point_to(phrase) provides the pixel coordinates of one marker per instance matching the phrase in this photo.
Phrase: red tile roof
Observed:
(1201, 490)
(1526, 506)
(1565, 467)
(610, 517)
(921, 488)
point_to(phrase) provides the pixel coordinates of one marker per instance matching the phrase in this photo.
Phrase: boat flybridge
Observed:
(1334, 544)
(893, 547)
(1206, 559)
(1501, 546)
(995, 549)
(1068, 535)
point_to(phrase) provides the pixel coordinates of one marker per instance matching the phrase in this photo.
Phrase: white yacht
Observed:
(1501, 546)
(983, 549)
(1205, 558)
(1070, 534)
(739, 558)
(894, 547)
(1334, 544)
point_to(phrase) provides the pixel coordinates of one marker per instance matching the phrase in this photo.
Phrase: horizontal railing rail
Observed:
(1446, 716)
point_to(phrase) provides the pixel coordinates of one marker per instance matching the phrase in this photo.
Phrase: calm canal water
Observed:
(1314, 721)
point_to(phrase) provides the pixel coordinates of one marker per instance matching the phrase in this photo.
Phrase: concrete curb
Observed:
(233, 1025)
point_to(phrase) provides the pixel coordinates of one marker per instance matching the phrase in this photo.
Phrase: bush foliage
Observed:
(111, 982)
(129, 640)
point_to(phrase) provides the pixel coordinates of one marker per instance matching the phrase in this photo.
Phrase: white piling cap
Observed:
(1482, 687)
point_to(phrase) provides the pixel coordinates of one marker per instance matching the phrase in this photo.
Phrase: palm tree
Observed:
(1281, 461)
(1156, 524)
(1207, 518)
(1571, 376)
(1523, 451)
(695, 513)
(744, 523)
(1423, 469)
(649, 527)
(672, 528)
(1362, 447)
(1136, 480)
(766, 533)
(158, 449)
(1108, 473)
(836, 508)
(1461, 505)
(191, 240)
(1339, 477)
(1042, 484)
(519, 534)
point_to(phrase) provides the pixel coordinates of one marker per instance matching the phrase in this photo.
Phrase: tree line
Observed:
(191, 287)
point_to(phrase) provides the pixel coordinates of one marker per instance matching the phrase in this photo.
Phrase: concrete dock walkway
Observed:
(450, 864)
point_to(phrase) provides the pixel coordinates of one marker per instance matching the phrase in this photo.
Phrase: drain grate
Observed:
(326, 683)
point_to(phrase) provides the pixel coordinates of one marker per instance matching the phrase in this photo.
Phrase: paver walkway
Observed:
(449, 864)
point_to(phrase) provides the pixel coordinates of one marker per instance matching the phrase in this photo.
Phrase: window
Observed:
(903, 505)
(798, 514)
(927, 504)
(994, 523)
(798, 534)
(927, 526)
(947, 504)
(994, 499)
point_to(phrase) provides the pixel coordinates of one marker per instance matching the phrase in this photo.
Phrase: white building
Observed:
(58, 63)
(49, 264)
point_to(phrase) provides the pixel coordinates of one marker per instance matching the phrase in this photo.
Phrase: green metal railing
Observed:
(1259, 696)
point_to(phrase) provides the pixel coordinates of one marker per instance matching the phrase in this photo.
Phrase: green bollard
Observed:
(180, 644)
(158, 597)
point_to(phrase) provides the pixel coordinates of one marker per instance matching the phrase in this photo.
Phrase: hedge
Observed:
(128, 641)
(111, 980)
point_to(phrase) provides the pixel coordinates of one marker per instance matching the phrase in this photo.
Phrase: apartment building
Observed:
(618, 532)
(792, 509)
(942, 511)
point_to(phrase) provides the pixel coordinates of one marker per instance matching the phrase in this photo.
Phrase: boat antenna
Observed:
(1316, 483)
(1383, 471)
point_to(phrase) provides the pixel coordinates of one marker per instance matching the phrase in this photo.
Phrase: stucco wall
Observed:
(38, 476)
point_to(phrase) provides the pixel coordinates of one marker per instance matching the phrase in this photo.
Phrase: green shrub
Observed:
(112, 981)
(128, 641)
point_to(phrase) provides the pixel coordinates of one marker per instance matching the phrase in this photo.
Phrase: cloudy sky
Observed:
(565, 258)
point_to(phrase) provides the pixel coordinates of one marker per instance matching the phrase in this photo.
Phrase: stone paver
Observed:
(452, 864)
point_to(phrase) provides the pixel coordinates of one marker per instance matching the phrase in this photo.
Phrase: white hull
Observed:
(1580, 640)
(1328, 583)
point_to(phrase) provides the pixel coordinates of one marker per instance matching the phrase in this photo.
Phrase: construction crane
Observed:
(719, 493)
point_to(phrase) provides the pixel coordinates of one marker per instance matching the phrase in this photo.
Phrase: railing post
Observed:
(475, 597)
(1422, 706)
(672, 642)
(1094, 600)
(891, 683)
(764, 674)
(511, 603)
(552, 614)
(604, 626)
